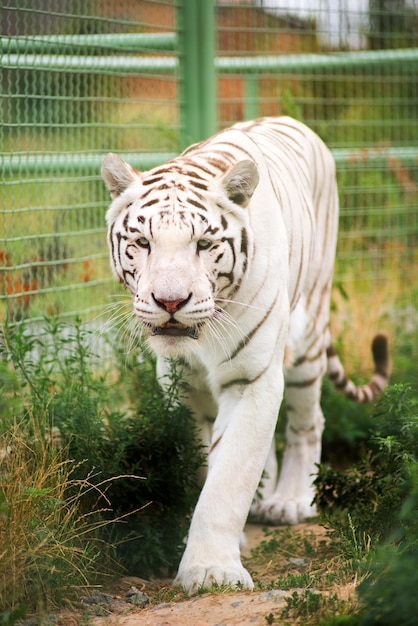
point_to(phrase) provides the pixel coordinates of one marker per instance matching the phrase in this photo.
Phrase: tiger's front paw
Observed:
(276, 510)
(195, 577)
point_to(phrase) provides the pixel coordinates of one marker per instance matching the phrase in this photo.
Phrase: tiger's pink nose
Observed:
(171, 306)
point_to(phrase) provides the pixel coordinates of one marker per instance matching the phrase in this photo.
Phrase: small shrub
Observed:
(157, 442)
(139, 463)
(374, 510)
(347, 427)
(388, 593)
(368, 496)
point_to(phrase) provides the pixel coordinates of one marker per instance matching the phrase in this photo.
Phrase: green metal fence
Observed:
(146, 78)
(68, 97)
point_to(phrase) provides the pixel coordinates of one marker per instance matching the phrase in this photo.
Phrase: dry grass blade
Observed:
(47, 548)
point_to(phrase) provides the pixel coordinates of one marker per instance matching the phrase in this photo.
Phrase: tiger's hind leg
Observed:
(292, 499)
(267, 485)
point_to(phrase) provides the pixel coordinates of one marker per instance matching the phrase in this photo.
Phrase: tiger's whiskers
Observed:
(123, 322)
(243, 304)
(222, 326)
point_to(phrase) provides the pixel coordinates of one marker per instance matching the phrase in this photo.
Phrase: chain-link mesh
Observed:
(63, 108)
(81, 78)
(348, 69)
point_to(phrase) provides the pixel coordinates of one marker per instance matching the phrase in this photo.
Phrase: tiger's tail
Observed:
(378, 381)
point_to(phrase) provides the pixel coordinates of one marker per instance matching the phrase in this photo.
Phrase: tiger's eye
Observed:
(143, 242)
(203, 244)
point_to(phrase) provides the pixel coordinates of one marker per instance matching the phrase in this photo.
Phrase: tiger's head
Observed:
(179, 241)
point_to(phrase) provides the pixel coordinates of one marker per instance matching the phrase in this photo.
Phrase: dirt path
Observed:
(232, 609)
(241, 608)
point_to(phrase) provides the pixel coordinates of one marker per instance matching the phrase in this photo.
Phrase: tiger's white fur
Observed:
(228, 252)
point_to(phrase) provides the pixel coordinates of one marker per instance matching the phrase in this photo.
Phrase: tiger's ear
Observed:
(240, 182)
(117, 174)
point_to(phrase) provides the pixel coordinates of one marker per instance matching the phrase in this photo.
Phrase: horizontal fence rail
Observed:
(22, 53)
(83, 44)
(403, 61)
(80, 54)
(40, 163)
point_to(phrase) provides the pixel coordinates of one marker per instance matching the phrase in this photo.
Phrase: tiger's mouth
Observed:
(175, 329)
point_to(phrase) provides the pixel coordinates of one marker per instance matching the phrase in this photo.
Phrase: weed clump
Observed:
(369, 495)
(47, 547)
(374, 510)
(84, 484)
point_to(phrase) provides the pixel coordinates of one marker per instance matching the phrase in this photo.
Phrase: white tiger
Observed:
(228, 252)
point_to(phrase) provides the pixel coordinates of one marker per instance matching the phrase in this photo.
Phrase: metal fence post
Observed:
(250, 83)
(196, 31)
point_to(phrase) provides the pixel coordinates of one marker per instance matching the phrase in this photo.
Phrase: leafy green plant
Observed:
(374, 510)
(368, 496)
(311, 607)
(347, 427)
(9, 385)
(290, 581)
(157, 442)
(388, 594)
(304, 604)
(143, 459)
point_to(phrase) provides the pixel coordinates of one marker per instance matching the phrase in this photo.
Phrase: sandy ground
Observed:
(240, 608)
